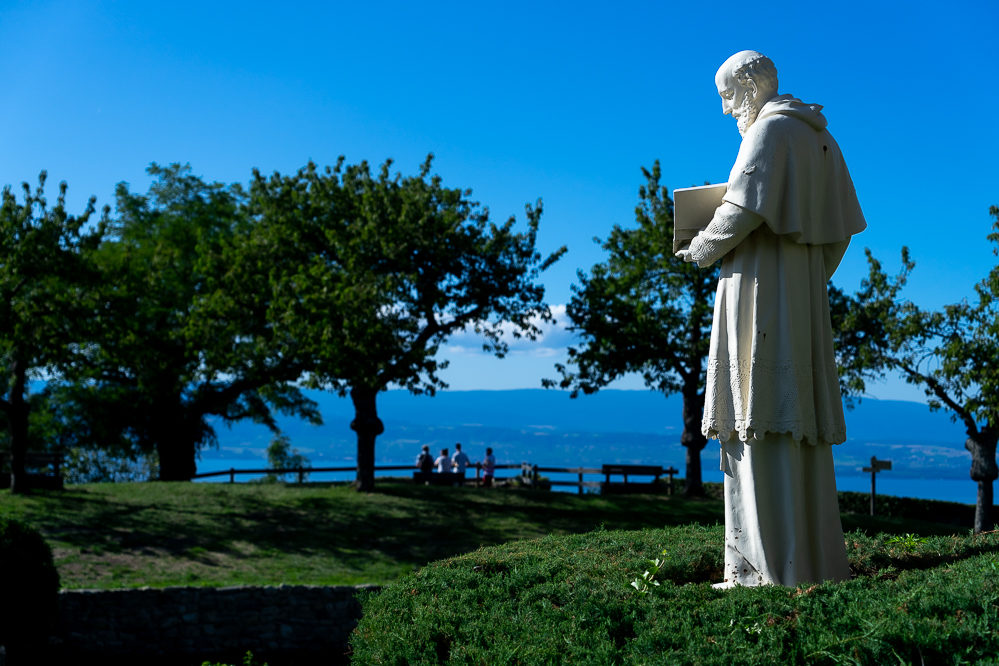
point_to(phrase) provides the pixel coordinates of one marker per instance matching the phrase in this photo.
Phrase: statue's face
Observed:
(738, 100)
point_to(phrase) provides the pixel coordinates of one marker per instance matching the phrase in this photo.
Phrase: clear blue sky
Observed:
(518, 100)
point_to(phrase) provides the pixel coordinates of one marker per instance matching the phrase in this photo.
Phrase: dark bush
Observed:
(909, 508)
(29, 588)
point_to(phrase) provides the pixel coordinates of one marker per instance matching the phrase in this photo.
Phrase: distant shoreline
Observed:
(944, 489)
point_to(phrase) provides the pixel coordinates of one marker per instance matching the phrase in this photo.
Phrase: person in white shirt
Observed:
(459, 461)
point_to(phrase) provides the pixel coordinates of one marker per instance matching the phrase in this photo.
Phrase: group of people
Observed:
(456, 463)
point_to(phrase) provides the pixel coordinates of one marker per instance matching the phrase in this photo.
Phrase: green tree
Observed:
(46, 286)
(281, 456)
(187, 336)
(951, 353)
(373, 272)
(645, 311)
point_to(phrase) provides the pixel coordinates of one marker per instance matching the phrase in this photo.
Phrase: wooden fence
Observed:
(301, 472)
(529, 473)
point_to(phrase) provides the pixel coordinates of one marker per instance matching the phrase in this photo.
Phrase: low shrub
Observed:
(29, 588)
(909, 508)
(569, 599)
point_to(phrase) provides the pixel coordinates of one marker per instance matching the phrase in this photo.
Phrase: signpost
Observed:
(876, 466)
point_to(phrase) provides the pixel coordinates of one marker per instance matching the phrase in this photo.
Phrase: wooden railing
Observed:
(604, 471)
(301, 472)
(530, 473)
(44, 469)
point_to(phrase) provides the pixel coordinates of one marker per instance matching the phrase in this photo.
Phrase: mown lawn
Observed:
(162, 534)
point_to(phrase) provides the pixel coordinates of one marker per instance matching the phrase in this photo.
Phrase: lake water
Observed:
(951, 490)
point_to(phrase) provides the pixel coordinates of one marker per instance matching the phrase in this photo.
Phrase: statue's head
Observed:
(746, 81)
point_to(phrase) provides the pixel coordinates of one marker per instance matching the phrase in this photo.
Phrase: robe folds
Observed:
(772, 390)
(792, 210)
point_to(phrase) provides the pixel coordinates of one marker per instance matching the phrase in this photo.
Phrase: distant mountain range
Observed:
(549, 428)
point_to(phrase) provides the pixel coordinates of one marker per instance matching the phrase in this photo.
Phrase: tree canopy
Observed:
(374, 271)
(46, 285)
(187, 334)
(951, 353)
(645, 311)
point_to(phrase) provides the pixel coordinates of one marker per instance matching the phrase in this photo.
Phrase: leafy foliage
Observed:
(645, 311)
(280, 455)
(950, 353)
(215, 302)
(46, 287)
(372, 272)
(92, 465)
(644, 583)
(186, 334)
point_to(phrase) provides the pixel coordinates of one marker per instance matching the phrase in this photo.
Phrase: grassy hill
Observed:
(161, 534)
(515, 576)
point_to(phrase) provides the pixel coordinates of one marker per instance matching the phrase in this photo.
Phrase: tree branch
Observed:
(971, 426)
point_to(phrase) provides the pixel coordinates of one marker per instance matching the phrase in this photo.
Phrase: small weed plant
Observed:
(908, 543)
(248, 660)
(648, 579)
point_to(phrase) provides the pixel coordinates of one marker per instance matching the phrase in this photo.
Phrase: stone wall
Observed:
(204, 622)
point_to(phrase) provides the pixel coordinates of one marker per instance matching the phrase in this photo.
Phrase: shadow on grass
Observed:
(331, 528)
(400, 523)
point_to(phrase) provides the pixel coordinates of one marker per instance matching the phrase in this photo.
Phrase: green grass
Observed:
(568, 599)
(515, 576)
(161, 534)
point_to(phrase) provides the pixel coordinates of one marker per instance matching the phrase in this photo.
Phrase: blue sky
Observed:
(519, 101)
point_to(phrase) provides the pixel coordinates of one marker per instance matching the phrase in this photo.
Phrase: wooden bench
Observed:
(44, 470)
(625, 471)
(439, 478)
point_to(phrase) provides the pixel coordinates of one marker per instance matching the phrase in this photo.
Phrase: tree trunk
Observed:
(692, 439)
(177, 458)
(17, 414)
(983, 470)
(983, 507)
(176, 446)
(368, 426)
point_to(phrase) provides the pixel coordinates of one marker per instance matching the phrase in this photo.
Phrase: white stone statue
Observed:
(772, 395)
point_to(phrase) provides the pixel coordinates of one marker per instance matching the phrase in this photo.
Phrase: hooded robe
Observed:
(772, 391)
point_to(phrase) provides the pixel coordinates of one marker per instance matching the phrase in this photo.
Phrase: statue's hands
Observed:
(684, 254)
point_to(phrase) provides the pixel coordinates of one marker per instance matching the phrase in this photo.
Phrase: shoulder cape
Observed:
(790, 172)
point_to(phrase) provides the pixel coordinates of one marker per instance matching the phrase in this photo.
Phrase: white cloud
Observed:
(553, 341)
(527, 363)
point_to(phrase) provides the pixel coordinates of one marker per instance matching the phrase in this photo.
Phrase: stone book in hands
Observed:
(693, 208)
